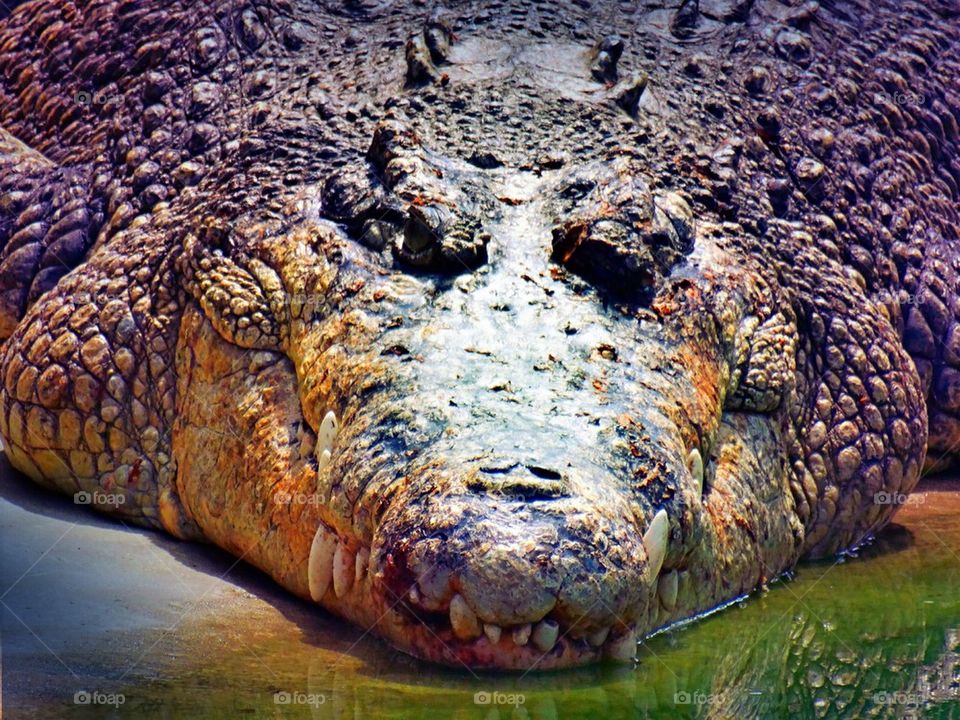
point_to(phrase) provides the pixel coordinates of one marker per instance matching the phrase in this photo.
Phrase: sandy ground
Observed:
(83, 597)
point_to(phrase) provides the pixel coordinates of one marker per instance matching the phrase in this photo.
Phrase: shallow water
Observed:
(182, 631)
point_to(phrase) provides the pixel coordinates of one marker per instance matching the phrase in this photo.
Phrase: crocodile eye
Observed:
(629, 250)
(437, 237)
(422, 234)
(349, 197)
(577, 188)
(606, 252)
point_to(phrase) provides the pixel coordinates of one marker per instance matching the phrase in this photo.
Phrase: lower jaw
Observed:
(354, 591)
(417, 633)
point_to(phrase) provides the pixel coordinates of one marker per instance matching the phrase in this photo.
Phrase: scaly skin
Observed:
(507, 338)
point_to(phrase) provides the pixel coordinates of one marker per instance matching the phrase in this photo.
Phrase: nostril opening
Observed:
(508, 479)
(544, 473)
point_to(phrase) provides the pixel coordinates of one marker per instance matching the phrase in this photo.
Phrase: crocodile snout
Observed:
(523, 565)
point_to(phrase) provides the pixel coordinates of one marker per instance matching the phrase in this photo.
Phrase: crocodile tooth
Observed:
(323, 459)
(655, 540)
(327, 432)
(463, 619)
(363, 559)
(320, 564)
(522, 634)
(598, 637)
(343, 570)
(492, 632)
(695, 463)
(545, 634)
(623, 648)
(667, 590)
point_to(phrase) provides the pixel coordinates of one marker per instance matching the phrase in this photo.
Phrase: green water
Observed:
(876, 635)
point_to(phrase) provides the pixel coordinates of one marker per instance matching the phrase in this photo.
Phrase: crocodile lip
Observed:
(488, 578)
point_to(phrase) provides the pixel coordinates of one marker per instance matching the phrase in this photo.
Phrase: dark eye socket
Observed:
(577, 188)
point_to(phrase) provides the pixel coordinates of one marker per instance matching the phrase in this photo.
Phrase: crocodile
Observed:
(510, 331)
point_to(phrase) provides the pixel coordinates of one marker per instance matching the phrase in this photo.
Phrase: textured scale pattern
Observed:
(217, 222)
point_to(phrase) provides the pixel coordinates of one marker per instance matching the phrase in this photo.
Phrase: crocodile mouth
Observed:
(349, 580)
(513, 566)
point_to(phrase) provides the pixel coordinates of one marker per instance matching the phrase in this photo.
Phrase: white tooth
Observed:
(323, 459)
(463, 619)
(343, 570)
(320, 565)
(492, 632)
(522, 634)
(695, 463)
(623, 648)
(363, 559)
(667, 589)
(598, 637)
(655, 540)
(545, 634)
(328, 431)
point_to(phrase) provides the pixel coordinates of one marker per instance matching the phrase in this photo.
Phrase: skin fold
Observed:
(512, 331)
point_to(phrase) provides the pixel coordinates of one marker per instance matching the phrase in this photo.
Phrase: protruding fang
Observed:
(598, 637)
(695, 463)
(492, 632)
(463, 619)
(545, 634)
(623, 648)
(363, 559)
(343, 570)
(655, 540)
(522, 634)
(327, 432)
(667, 590)
(323, 459)
(320, 564)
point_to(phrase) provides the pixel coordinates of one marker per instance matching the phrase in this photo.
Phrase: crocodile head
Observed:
(485, 341)
(541, 391)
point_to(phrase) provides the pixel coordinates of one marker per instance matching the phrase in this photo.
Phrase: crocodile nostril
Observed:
(521, 481)
(544, 473)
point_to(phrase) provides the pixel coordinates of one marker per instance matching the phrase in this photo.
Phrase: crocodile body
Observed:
(513, 331)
